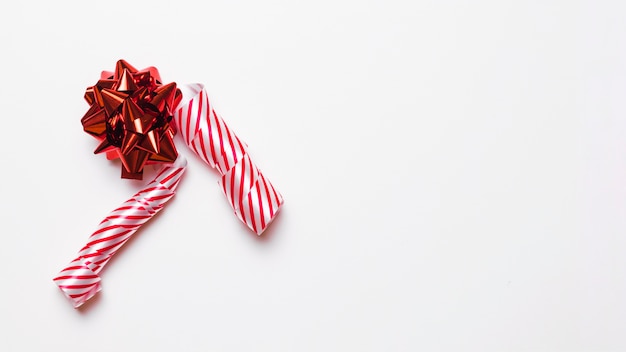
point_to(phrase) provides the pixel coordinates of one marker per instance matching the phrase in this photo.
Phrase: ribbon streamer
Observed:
(80, 281)
(252, 196)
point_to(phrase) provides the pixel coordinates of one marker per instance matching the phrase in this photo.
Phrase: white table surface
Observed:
(454, 175)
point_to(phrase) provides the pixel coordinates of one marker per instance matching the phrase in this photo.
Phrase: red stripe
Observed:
(148, 190)
(199, 113)
(107, 238)
(79, 277)
(275, 194)
(73, 287)
(161, 172)
(129, 217)
(206, 158)
(188, 119)
(158, 192)
(243, 150)
(232, 146)
(251, 211)
(243, 172)
(193, 146)
(73, 268)
(222, 153)
(110, 228)
(105, 250)
(252, 169)
(152, 199)
(260, 206)
(232, 186)
(176, 172)
(267, 193)
(211, 139)
(117, 213)
(180, 118)
(104, 260)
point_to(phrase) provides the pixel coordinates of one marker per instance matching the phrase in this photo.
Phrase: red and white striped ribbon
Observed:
(80, 281)
(253, 197)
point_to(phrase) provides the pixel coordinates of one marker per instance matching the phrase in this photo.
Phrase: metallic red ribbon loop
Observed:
(130, 114)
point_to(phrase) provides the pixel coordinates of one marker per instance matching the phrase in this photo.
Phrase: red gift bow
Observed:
(130, 114)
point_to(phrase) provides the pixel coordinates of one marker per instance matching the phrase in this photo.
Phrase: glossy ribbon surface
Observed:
(130, 113)
(80, 281)
(252, 196)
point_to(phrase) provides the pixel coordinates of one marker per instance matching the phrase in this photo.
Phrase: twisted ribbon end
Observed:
(281, 201)
(78, 288)
(79, 281)
(260, 218)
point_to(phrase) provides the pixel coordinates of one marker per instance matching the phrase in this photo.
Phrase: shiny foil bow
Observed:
(130, 114)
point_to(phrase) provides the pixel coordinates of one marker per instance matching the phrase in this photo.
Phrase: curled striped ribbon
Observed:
(251, 195)
(80, 281)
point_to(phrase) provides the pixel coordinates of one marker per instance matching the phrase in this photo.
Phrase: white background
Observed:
(454, 175)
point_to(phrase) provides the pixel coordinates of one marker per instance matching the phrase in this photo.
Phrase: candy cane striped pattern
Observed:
(253, 197)
(79, 281)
